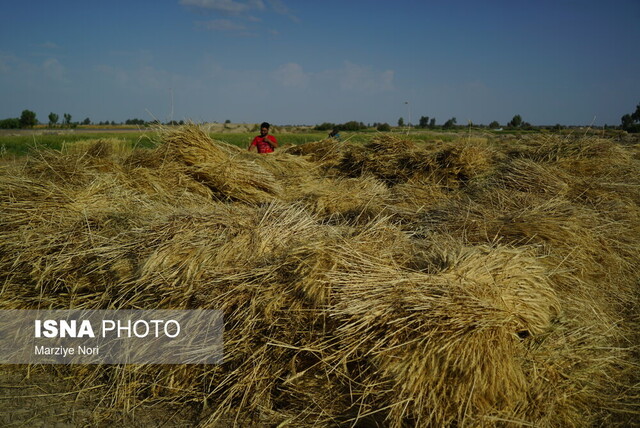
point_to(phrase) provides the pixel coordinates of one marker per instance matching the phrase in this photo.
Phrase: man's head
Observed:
(264, 128)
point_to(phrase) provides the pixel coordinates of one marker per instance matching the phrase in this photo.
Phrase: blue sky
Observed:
(308, 62)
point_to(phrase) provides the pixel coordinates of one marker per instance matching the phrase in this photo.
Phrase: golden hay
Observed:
(220, 166)
(97, 148)
(347, 197)
(320, 152)
(478, 283)
(389, 159)
(442, 331)
(458, 163)
(528, 176)
(419, 195)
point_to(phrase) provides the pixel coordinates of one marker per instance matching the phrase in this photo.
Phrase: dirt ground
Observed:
(37, 397)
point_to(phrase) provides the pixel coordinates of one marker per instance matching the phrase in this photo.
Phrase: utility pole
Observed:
(171, 118)
(408, 123)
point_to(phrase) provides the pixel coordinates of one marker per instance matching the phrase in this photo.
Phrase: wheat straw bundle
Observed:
(79, 245)
(440, 332)
(168, 184)
(390, 145)
(461, 162)
(528, 176)
(98, 148)
(578, 238)
(324, 152)
(54, 166)
(221, 167)
(387, 158)
(347, 197)
(553, 148)
(388, 284)
(418, 195)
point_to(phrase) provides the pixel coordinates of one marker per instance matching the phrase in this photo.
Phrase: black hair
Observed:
(265, 125)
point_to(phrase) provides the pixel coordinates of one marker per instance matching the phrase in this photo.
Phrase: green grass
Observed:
(21, 145)
(243, 139)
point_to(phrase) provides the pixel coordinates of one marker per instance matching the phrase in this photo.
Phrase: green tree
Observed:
(516, 122)
(401, 122)
(432, 123)
(636, 114)
(28, 119)
(424, 122)
(67, 119)
(631, 122)
(352, 125)
(325, 126)
(383, 127)
(494, 125)
(53, 119)
(86, 121)
(10, 123)
(449, 123)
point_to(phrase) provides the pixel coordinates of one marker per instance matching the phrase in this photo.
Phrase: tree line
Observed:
(425, 122)
(629, 122)
(28, 119)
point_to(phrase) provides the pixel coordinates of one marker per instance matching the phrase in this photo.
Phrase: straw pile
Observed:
(385, 284)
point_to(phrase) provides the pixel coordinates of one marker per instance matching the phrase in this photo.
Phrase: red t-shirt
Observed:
(262, 144)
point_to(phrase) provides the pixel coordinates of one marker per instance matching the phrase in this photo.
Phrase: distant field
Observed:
(20, 143)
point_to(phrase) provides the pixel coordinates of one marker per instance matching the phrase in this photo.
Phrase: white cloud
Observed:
(351, 78)
(248, 10)
(49, 45)
(291, 75)
(116, 75)
(279, 7)
(4, 63)
(256, 4)
(222, 6)
(354, 77)
(143, 77)
(54, 70)
(221, 25)
(226, 7)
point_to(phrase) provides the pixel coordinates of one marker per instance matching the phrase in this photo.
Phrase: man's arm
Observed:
(253, 147)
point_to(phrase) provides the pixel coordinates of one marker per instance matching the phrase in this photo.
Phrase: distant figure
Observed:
(264, 142)
(334, 134)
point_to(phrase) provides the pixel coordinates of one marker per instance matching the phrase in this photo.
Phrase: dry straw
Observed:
(479, 283)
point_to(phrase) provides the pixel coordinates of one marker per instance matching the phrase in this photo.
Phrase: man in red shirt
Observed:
(264, 142)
